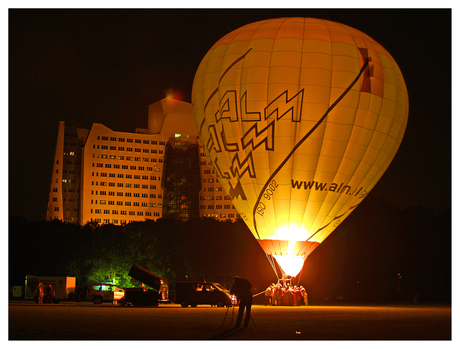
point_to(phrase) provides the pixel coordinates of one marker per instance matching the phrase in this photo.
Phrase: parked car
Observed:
(194, 293)
(99, 293)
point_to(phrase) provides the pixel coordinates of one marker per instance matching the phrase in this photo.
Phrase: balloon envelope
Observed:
(299, 118)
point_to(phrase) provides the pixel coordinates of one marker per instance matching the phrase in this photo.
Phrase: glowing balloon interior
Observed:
(299, 118)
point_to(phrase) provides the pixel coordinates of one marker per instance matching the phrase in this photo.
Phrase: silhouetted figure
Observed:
(242, 290)
(49, 294)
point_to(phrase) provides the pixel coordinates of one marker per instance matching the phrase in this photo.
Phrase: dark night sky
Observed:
(107, 66)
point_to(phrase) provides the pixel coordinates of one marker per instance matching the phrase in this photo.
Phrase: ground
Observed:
(72, 320)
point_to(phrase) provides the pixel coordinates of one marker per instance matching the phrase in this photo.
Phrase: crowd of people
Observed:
(283, 293)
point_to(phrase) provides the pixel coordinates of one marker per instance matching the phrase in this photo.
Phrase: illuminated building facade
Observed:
(115, 177)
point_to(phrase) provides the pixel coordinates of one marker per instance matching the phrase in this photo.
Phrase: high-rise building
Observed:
(115, 177)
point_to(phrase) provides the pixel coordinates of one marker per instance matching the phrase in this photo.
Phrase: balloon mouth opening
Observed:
(290, 255)
(290, 264)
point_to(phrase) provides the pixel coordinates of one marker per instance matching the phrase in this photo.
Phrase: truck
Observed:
(64, 286)
(142, 296)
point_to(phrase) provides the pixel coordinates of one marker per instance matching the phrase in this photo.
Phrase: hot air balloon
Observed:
(300, 118)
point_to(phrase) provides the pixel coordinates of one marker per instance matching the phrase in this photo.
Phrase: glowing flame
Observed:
(290, 263)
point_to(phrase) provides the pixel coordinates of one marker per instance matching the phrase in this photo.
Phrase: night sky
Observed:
(107, 66)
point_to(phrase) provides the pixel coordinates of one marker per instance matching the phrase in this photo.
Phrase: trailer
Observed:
(64, 286)
(143, 297)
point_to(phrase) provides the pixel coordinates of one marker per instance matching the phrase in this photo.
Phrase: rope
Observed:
(272, 263)
(258, 294)
(299, 276)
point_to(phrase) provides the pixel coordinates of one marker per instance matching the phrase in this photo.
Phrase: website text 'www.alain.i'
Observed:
(340, 188)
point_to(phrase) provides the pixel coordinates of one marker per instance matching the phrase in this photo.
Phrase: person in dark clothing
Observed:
(49, 294)
(242, 290)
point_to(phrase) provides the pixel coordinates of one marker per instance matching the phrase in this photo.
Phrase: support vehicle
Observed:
(138, 296)
(195, 292)
(101, 292)
(64, 286)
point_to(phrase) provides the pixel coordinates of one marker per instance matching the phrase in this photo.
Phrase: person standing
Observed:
(268, 296)
(297, 295)
(285, 295)
(41, 293)
(304, 294)
(49, 294)
(290, 290)
(278, 294)
(242, 290)
(272, 294)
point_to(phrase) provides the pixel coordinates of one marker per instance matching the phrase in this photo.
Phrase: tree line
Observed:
(379, 253)
(177, 250)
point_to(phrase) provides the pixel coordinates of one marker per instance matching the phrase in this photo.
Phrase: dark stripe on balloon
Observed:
(304, 138)
(201, 126)
(333, 219)
(225, 72)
